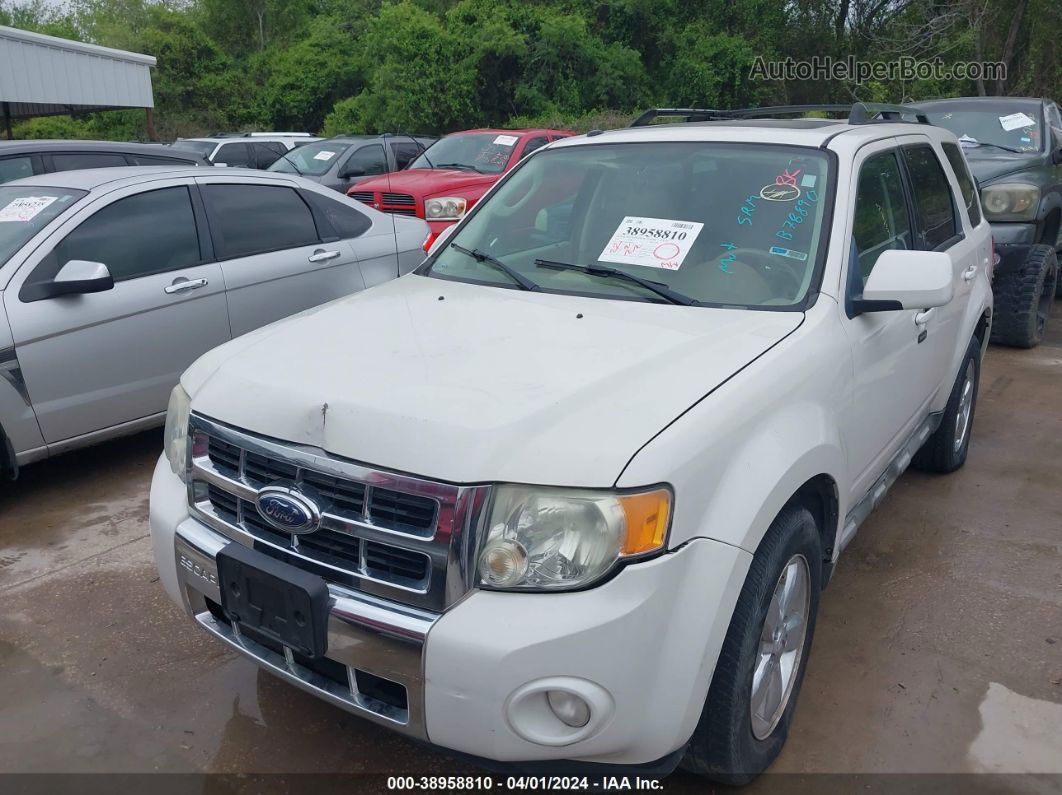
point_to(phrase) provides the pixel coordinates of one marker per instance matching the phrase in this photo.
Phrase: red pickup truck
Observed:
(450, 176)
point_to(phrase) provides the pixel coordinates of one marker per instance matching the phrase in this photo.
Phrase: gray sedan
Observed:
(114, 280)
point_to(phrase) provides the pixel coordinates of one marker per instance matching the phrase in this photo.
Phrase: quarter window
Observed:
(966, 183)
(932, 195)
(136, 236)
(535, 143)
(252, 219)
(404, 154)
(346, 220)
(268, 152)
(882, 222)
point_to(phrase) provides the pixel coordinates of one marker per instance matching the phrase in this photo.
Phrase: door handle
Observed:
(183, 285)
(969, 273)
(321, 255)
(922, 317)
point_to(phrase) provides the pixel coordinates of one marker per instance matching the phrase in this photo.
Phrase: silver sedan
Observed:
(115, 280)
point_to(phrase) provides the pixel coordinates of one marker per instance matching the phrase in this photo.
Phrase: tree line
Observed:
(432, 66)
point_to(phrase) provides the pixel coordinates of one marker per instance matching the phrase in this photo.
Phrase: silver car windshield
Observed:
(716, 223)
(24, 211)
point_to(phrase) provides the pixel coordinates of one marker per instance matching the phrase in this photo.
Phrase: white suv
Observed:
(572, 489)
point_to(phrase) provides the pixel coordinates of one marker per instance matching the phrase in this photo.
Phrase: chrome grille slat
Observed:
(392, 535)
(398, 198)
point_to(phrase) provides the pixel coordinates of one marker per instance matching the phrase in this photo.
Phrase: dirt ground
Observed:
(938, 648)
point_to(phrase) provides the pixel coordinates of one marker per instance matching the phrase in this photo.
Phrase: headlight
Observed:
(175, 438)
(1010, 202)
(448, 208)
(552, 539)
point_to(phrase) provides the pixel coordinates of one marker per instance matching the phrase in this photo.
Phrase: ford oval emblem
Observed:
(288, 510)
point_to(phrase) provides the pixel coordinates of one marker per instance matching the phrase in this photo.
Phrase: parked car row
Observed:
(571, 489)
(245, 150)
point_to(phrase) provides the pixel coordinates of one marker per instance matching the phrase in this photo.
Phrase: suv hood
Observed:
(425, 182)
(467, 383)
(989, 164)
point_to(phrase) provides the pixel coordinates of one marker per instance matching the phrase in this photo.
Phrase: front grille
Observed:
(394, 535)
(400, 211)
(398, 198)
(364, 196)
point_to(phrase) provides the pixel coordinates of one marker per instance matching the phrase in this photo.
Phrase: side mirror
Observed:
(907, 280)
(77, 277)
(350, 173)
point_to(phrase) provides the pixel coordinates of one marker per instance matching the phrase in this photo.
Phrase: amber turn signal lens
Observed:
(647, 516)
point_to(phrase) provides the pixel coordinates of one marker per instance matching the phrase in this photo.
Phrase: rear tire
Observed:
(946, 449)
(1023, 299)
(731, 744)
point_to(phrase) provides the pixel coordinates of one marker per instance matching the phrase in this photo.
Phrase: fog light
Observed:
(503, 563)
(569, 708)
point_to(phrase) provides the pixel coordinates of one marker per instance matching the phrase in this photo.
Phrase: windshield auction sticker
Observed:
(506, 140)
(1014, 121)
(26, 208)
(651, 242)
(324, 154)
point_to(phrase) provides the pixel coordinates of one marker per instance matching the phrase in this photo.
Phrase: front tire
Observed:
(757, 678)
(946, 449)
(1023, 299)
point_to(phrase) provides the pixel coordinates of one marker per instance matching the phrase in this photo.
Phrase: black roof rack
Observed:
(858, 113)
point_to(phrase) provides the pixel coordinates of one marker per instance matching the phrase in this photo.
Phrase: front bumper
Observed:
(640, 649)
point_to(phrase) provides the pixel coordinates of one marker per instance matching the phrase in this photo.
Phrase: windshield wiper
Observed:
(999, 146)
(482, 256)
(292, 164)
(600, 270)
(461, 166)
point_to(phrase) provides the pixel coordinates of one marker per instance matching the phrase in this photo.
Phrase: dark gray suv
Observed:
(1014, 148)
(344, 160)
(20, 159)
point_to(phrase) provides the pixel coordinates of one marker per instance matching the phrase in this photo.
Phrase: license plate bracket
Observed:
(284, 603)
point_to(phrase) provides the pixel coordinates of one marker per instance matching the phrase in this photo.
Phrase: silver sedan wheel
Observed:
(781, 646)
(965, 412)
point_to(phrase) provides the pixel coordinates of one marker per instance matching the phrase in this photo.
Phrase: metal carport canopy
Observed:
(45, 75)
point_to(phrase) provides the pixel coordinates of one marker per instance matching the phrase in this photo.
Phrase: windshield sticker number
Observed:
(506, 140)
(25, 209)
(1015, 120)
(651, 242)
(324, 155)
(795, 218)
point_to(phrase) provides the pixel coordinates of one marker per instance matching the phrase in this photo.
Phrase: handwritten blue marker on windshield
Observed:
(788, 252)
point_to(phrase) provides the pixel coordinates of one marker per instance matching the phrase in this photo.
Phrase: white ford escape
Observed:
(572, 489)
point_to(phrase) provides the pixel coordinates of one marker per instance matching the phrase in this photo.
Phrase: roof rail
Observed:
(858, 113)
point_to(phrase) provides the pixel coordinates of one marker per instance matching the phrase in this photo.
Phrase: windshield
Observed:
(314, 159)
(203, 148)
(718, 223)
(24, 211)
(487, 153)
(1014, 125)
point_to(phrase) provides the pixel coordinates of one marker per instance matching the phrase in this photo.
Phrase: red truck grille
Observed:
(397, 203)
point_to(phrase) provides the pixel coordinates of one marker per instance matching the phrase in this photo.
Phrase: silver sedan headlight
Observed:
(556, 539)
(175, 437)
(1010, 202)
(447, 208)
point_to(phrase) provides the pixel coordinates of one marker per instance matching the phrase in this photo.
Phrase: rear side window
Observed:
(155, 160)
(932, 195)
(139, 235)
(346, 220)
(966, 183)
(76, 160)
(404, 154)
(15, 168)
(236, 154)
(253, 219)
(881, 219)
(366, 161)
